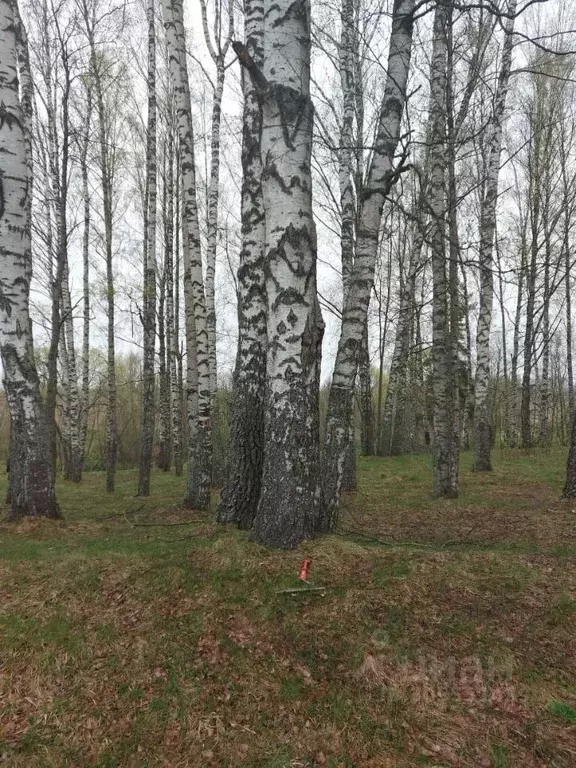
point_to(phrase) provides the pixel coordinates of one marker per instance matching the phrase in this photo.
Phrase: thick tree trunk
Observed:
(482, 415)
(32, 488)
(354, 316)
(445, 447)
(241, 492)
(199, 413)
(149, 287)
(288, 506)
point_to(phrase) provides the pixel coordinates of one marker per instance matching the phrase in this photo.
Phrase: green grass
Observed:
(137, 633)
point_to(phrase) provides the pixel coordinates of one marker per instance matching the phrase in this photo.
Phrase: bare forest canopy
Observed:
(245, 242)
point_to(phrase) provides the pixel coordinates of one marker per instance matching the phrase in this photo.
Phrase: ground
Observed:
(140, 634)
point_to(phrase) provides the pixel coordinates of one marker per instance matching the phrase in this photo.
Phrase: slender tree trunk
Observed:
(354, 316)
(566, 248)
(32, 488)
(149, 288)
(514, 406)
(544, 410)
(199, 413)
(366, 407)
(392, 418)
(85, 392)
(218, 54)
(241, 492)
(482, 416)
(106, 175)
(455, 310)
(182, 406)
(73, 399)
(164, 410)
(347, 180)
(535, 162)
(171, 323)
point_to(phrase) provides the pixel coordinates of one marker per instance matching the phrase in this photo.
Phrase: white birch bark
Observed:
(288, 507)
(200, 434)
(171, 326)
(348, 177)
(73, 401)
(149, 285)
(218, 52)
(32, 490)
(241, 491)
(445, 444)
(354, 317)
(482, 420)
(85, 390)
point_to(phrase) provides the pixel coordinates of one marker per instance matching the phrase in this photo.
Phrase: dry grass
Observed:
(445, 636)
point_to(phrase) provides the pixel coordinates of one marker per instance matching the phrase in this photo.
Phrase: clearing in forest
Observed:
(135, 633)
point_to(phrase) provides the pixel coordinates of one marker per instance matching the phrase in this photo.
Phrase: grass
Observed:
(136, 633)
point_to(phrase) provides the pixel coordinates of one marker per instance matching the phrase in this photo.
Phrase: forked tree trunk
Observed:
(32, 487)
(149, 287)
(198, 380)
(482, 416)
(241, 491)
(354, 316)
(288, 506)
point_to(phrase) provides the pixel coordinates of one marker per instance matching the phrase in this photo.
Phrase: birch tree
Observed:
(218, 51)
(149, 287)
(198, 379)
(241, 491)
(289, 499)
(83, 148)
(100, 74)
(32, 487)
(171, 249)
(482, 418)
(381, 176)
(445, 445)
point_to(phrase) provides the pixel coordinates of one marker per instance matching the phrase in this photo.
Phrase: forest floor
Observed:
(446, 634)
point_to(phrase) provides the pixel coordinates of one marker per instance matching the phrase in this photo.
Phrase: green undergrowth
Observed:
(138, 633)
